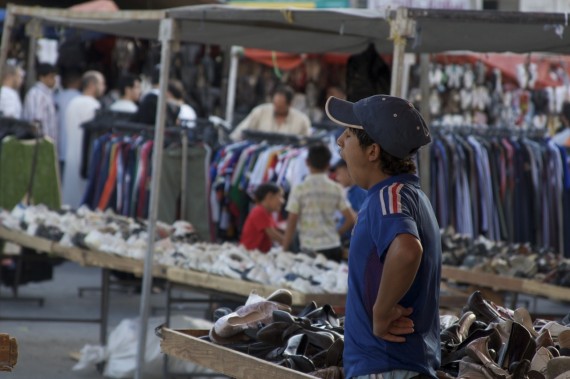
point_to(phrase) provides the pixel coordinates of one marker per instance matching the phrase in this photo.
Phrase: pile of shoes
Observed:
(486, 341)
(311, 341)
(489, 341)
(176, 245)
(102, 231)
(505, 259)
(8, 352)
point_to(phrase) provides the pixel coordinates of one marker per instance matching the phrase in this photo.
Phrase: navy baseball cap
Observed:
(392, 122)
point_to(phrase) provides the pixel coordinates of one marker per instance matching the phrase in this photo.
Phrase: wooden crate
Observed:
(184, 344)
(209, 281)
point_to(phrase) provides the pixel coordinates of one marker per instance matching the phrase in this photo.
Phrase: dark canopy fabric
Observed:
(489, 31)
(287, 30)
(329, 30)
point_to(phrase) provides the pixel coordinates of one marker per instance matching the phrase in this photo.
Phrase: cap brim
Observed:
(340, 111)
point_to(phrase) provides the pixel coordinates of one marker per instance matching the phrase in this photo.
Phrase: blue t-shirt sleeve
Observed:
(390, 220)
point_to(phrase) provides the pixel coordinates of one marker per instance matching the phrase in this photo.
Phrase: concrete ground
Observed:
(45, 347)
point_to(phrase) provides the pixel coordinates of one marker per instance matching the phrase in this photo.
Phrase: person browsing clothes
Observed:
(312, 205)
(260, 228)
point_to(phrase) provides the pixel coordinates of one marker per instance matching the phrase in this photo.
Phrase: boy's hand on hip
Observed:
(394, 325)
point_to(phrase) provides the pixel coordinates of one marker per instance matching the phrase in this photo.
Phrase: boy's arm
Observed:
(403, 259)
(349, 220)
(290, 231)
(275, 234)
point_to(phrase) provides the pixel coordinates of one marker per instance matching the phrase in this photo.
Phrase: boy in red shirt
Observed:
(260, 228)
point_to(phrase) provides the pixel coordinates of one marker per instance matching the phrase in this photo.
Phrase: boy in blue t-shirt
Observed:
(394, 264)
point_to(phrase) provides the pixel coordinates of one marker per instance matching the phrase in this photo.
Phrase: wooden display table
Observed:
(203, 280)
(84, 257)
(505, 283)
(185, 345)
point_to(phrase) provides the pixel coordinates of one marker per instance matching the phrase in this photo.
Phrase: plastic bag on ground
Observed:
(120, 353)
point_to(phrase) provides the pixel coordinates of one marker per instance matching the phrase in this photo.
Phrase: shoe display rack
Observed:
(496, 286)
(189, 278)
(82, 256)
(186, 345)
(242, 288)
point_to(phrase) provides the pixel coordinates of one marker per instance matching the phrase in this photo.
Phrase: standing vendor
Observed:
(276, 117)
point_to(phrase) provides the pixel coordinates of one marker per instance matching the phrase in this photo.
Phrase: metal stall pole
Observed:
(231, 96)
(34, 32)
(401, 28)
(168, 35)
(424, 108)
(184, 178)
(9, 22)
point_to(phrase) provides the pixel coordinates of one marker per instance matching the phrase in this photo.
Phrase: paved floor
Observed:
(44, 347)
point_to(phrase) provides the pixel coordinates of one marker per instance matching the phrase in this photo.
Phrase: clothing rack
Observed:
(281, 139)
(505, 183)
(18, 128)
(197, 131)
(490, 131)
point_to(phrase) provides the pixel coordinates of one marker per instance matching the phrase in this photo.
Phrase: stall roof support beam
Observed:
(9, 22)
(34, 32)
(169, 37)
(401, 29)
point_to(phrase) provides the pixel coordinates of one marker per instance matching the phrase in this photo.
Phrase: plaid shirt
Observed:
(39, 106)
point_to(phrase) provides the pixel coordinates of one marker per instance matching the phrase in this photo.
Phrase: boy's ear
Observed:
(373, 151)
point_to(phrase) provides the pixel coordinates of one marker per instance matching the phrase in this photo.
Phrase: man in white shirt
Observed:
(276, 117)
(175, 96)
(80, 110)
(71, 82)
(39, 104)
(10, 102)
(130, 90)
(562, 136)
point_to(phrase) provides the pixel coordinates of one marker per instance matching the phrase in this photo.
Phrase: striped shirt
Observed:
(39, 106)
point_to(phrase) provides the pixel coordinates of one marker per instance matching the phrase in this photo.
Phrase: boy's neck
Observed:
(313, 170)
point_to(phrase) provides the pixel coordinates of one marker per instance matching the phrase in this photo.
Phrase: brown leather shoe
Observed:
(483, 310)
(282, 298)
(540, 360)
(470, 370)
(478, 350)
(456, 333)
(522, 316)
(8, 352)
(520, 346)
(544, 339)
(558, 367)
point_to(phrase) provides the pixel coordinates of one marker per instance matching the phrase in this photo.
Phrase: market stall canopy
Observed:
(350, 30)
(136, 24)
(297, 30)
(287, 30)
(489, 31)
